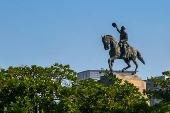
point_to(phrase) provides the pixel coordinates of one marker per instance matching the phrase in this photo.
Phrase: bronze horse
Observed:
(115, 53)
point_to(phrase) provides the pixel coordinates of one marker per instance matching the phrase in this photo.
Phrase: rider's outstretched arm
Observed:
(114, 25)
(118, 29)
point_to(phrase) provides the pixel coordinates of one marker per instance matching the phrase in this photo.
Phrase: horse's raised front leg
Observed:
(128, 63)
(135, 62)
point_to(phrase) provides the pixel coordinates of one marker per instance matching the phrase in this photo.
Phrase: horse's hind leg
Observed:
(128, 63)
(135, 62)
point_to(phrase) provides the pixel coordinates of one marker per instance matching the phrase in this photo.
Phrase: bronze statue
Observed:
(121, 50)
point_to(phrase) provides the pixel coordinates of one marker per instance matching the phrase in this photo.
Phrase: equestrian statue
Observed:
(121, 50)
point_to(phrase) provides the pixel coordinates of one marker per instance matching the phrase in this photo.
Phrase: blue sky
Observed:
(43, 32)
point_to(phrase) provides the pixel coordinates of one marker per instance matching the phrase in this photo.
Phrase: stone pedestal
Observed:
(137, 81)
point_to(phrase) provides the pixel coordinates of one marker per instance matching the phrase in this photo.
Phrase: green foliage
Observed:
(19, 86)
(160, 108)
(90, 96)
(163, 93)
(22, 88)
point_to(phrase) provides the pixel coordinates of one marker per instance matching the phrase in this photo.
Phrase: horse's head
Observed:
(106, 42)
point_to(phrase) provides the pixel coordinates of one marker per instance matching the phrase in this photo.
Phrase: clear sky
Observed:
(43, 32)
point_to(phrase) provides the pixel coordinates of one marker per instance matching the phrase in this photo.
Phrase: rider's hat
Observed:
(123, 28)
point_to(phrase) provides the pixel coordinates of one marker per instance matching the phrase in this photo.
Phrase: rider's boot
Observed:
(124, 55)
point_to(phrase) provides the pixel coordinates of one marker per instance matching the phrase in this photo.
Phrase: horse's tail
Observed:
(140, 57)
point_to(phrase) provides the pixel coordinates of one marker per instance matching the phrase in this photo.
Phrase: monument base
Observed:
(134, 79)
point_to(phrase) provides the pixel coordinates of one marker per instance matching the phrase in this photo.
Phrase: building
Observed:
(95, 74)
(151, 86)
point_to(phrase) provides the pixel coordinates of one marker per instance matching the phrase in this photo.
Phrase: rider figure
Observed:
(123, 38)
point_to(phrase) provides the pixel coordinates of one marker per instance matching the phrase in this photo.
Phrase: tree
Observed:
(90, 96)
(163, 93)
(20, 85)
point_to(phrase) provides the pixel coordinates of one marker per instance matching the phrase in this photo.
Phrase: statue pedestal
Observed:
(137, 81)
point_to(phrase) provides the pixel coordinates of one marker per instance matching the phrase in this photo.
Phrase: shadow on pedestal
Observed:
(137, 81)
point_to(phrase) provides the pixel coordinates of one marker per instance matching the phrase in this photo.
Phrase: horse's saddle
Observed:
(122, 44)
(127, 49)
